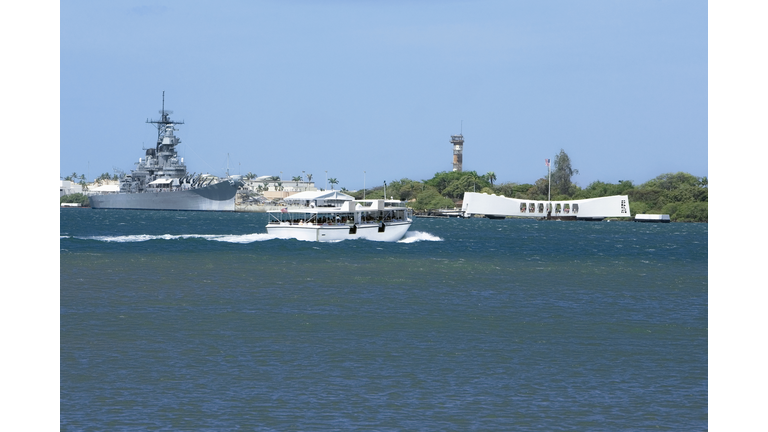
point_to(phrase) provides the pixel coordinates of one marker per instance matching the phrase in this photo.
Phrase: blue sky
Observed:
(353, 86)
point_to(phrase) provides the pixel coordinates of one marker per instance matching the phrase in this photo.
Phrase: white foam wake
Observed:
(417, 236)
(410, 237)
(240, 238)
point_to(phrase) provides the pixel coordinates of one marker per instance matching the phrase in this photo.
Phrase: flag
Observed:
(546, 161)
(284, 210)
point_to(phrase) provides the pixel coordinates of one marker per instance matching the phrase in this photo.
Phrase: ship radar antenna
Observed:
(165, 120)
(163, 112)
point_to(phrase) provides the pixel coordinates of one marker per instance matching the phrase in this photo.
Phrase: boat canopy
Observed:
(318, 198)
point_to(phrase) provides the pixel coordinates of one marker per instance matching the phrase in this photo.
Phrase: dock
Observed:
(652, 218)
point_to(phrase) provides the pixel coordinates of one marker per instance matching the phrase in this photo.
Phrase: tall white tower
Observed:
(458, 148)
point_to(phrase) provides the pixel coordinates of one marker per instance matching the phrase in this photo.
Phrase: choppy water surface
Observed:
(202, 321)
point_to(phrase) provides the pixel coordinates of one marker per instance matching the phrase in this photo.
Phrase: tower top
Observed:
(458, 147)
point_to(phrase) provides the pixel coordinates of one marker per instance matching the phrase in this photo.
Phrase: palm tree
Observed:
(309, 177)
(333, 181)
(296, 178)
(491, 176)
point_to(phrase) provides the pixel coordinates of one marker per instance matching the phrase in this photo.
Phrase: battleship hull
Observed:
(217, 197)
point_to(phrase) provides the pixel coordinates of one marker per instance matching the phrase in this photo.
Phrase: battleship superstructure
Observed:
(160, 180)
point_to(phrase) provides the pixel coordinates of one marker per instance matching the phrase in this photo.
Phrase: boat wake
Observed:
(410, 237)
(417, 236)
(241, 238)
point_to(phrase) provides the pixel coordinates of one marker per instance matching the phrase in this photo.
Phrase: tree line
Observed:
(681, 195)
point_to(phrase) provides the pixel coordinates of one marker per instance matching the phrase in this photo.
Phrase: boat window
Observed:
(522, 207)
(575, 208)
(531, 207)
(567, 208)
(541, 207)
(557, 208)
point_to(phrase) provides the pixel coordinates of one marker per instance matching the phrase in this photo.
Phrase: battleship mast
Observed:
(161, 124)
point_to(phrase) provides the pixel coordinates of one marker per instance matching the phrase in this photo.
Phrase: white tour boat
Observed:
(378, 220)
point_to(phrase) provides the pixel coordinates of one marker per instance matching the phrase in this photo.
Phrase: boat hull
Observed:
(331, 233)
(217, 197)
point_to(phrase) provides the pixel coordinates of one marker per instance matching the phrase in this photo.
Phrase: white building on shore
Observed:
(277, 189)
(67, 187)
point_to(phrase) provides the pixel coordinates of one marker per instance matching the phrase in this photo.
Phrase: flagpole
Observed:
(549, 182)
(549, 186)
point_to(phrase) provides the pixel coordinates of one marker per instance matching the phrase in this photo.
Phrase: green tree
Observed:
(456, 188)
(333, 182)
(75, 198)
(680, 195)
(104, 176)
(453, 184)
(692, 212)
(561, 175)
(672, 181)
(491, 176)
(371, 193)
(516, 190)
(600, 189)
(404, 189)
(540, 189)
(431, 199)
(638, 207)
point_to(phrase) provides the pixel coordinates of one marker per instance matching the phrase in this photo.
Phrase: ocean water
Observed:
(202, 321)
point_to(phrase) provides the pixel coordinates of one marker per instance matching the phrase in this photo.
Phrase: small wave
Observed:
(417, 236)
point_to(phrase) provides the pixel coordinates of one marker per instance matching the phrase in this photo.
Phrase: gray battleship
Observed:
(160, 180)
